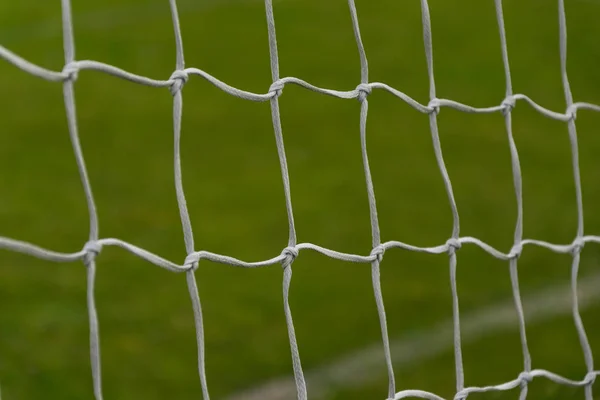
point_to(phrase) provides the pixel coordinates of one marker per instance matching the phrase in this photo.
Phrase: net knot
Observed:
(364, 89)
(590, 378)
(525, 377)
(91, 249)
(377, 252)
(71, 71)
(508, 104)
(434, 106)
(516, 251)
(571, 112)
(191, 261)
(276, 88)
(178, 79)
(453, 244)
(577, 245)
(462, 395)
(289, 254)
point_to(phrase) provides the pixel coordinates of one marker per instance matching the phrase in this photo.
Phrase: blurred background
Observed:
(235, 196)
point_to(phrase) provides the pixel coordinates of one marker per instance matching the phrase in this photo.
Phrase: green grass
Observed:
(235, 197)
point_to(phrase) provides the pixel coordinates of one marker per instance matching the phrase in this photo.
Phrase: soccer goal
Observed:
(189, 262)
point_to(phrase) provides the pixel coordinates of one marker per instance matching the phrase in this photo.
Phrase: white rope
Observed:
(517, 181)
(92, 248)
(453, 243)
(363, 91)
(175, 83)
(289, 254)
(585, 344)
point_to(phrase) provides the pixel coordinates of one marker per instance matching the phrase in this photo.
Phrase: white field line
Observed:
(358, 368)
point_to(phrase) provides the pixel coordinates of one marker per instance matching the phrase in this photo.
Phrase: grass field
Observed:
(235, 197)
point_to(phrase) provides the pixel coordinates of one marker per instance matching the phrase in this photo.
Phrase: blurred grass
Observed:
(234, 192)
(504, 366)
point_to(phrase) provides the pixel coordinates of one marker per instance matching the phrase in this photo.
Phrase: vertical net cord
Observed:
(453, 244)
(585, 344)
(89, 259)
(188, 235)
(287, 263)
(517, 181)
(375, 231)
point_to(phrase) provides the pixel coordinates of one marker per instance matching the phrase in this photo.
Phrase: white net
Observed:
(175, 83)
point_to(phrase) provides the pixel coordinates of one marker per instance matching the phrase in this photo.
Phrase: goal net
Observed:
(188, 265)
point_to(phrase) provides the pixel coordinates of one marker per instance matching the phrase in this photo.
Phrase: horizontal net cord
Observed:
(70, 72)
(523, 378)
(94, 248)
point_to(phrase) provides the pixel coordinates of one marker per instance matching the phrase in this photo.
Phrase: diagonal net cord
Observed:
(175, 83)
(453, 243)
(290, 253)
(517, 180)
(179, 78)
(585, 344)
(378, 251)
(91, 248)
